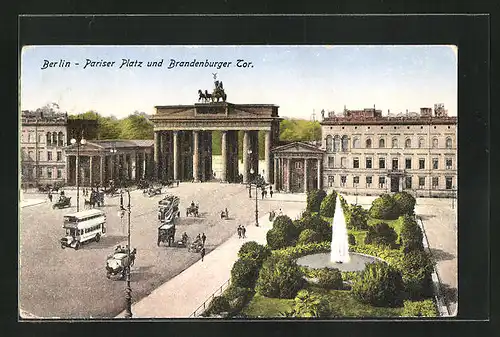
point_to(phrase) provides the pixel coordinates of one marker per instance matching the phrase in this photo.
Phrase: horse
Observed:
(217, 94)
(208, 96)
(202, 96)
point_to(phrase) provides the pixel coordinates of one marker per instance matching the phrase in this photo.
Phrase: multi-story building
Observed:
(367, 153)
(43, 137)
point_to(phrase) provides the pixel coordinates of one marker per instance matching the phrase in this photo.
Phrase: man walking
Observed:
(239, 231)
(271, 191)
(203, 239)
(243, 231)
(50, 196)
(202, 253)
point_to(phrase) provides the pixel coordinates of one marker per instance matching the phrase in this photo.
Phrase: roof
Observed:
(88, 212)
(297, 147)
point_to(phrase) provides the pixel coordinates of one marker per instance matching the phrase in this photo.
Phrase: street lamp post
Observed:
(251, 172)
(356, 185)
(82, 141)
(453, 198)
(128, 289)
(256, 199)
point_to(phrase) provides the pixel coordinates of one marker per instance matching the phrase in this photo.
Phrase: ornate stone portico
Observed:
(297, 167)
(102, 160)
(183, 139)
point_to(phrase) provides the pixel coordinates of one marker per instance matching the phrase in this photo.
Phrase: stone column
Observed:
(101, 169)
(319, 174)
(176, 155)
(275, 174)
(245, 155)
(156, 153)
(91, 171)
(288, 161)
(196, 156)
(111, 166)
(144, 165)
(305, 175)
(267, 156)
(134, 165)
(223, 174)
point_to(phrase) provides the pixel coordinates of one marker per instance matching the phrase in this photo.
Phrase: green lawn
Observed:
(396, 224)
(342, 303)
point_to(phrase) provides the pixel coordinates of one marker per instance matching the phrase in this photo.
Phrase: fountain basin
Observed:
(357, 261)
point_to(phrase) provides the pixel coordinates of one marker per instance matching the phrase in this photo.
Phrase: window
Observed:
(421, 164)
(449, 183)
(49, 155)
(434, 143)
(329, 144)
(331, 162)
(368, 163)
(421, 143)
(40, 155)
(30, 155)
(381, 182)
(421, 182)
(369, 181)
(435, 162)
(29, 137)
(368, 143)
(331, 181)
(381, 163)
(336, 144)
(448, 143)
(355, 143)
(355, 163)
(343, 162)
(344, 143)
(49, 173)
(355, 181)
(298, 164)
(449, 163)
(40, 138)
(408, 163)
(48, 138)
(435, 182)
(394, 143)
(381, 143)
(343, 180)
(408, 182)
(59, 155)
(60, 141)
(59, 173)
(408, 143)
(54, 138)
(395, 164)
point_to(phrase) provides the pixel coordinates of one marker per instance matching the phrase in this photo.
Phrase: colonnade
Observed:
(286, 167)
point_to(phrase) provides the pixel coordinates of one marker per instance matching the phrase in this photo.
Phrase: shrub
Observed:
(327, 207)
(379, 285)
(301, 250)
(314, 199)
(356, 217)
(320, 226)
(244, 273)
(310, 305)
(406, 203)
(330, 278)
(252, 250)
(279, 277)
(411, 236)
(283, 233)
(238, 297)
(308, 236)
(381, 234)
(384, 207)
(217, 306)
(351, 239)
(425, 308)
(416, 270)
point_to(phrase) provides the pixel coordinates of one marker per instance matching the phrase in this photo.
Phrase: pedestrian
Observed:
(203, 239)
(50, 196)
(239, 231)
(202, 253)
(243, 231)
(263, 192)
(271, 192)
(281, 212)
(227, 214)
(177, 183)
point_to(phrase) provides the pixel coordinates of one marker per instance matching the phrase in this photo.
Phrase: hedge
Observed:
(425, 308)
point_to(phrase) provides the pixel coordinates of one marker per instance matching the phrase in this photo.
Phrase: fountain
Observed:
(339, 256)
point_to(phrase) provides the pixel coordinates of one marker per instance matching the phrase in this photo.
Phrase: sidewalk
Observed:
(183, 294)
(31, 202)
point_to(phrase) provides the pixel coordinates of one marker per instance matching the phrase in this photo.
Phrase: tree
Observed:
(327, 207)
(406, 202)
(381, 234)
(283, 233)
(252, 250)
(314, 199)
(356, 217)
(411, 236)
(308, 236)
(244, 273)
(279, 278)
(384, 207)
(136, 126)
(416, 269)
(318, 225)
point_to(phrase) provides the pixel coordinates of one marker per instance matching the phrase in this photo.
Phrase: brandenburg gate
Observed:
(183, 139)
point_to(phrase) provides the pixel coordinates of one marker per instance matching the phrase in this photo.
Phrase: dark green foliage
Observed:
(320, 226)
(411, 235)
(327, 207)
(351, 239)
(238, 297)
(406, 203)
(314, 199)
(381, 234)
(330, 278)
(279, 278)
(308, 236)
(425, 308)
(218, 305)
(356, 217)
(416, 269)
(244, 273)
(384, 207)
(310, 305)
(379, 285)
(283, 233)
(252, 250)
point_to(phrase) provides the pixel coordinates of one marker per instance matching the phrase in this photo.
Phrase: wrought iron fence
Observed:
(201, 309)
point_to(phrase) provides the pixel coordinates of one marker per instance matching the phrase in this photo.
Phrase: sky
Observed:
(299, 79)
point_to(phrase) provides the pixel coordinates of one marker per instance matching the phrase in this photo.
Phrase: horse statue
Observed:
(208, 96)
(218, 92)
(202, 96)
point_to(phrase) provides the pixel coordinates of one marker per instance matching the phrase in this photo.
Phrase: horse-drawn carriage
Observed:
(152, 191)
(168, 208)
(166, 234)
(63, 202)
(196, 246)
(96, 199)
(117, 263)
(192, 210)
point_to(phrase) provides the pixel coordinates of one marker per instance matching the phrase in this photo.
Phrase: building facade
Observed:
(42, 141)
(366, 153)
